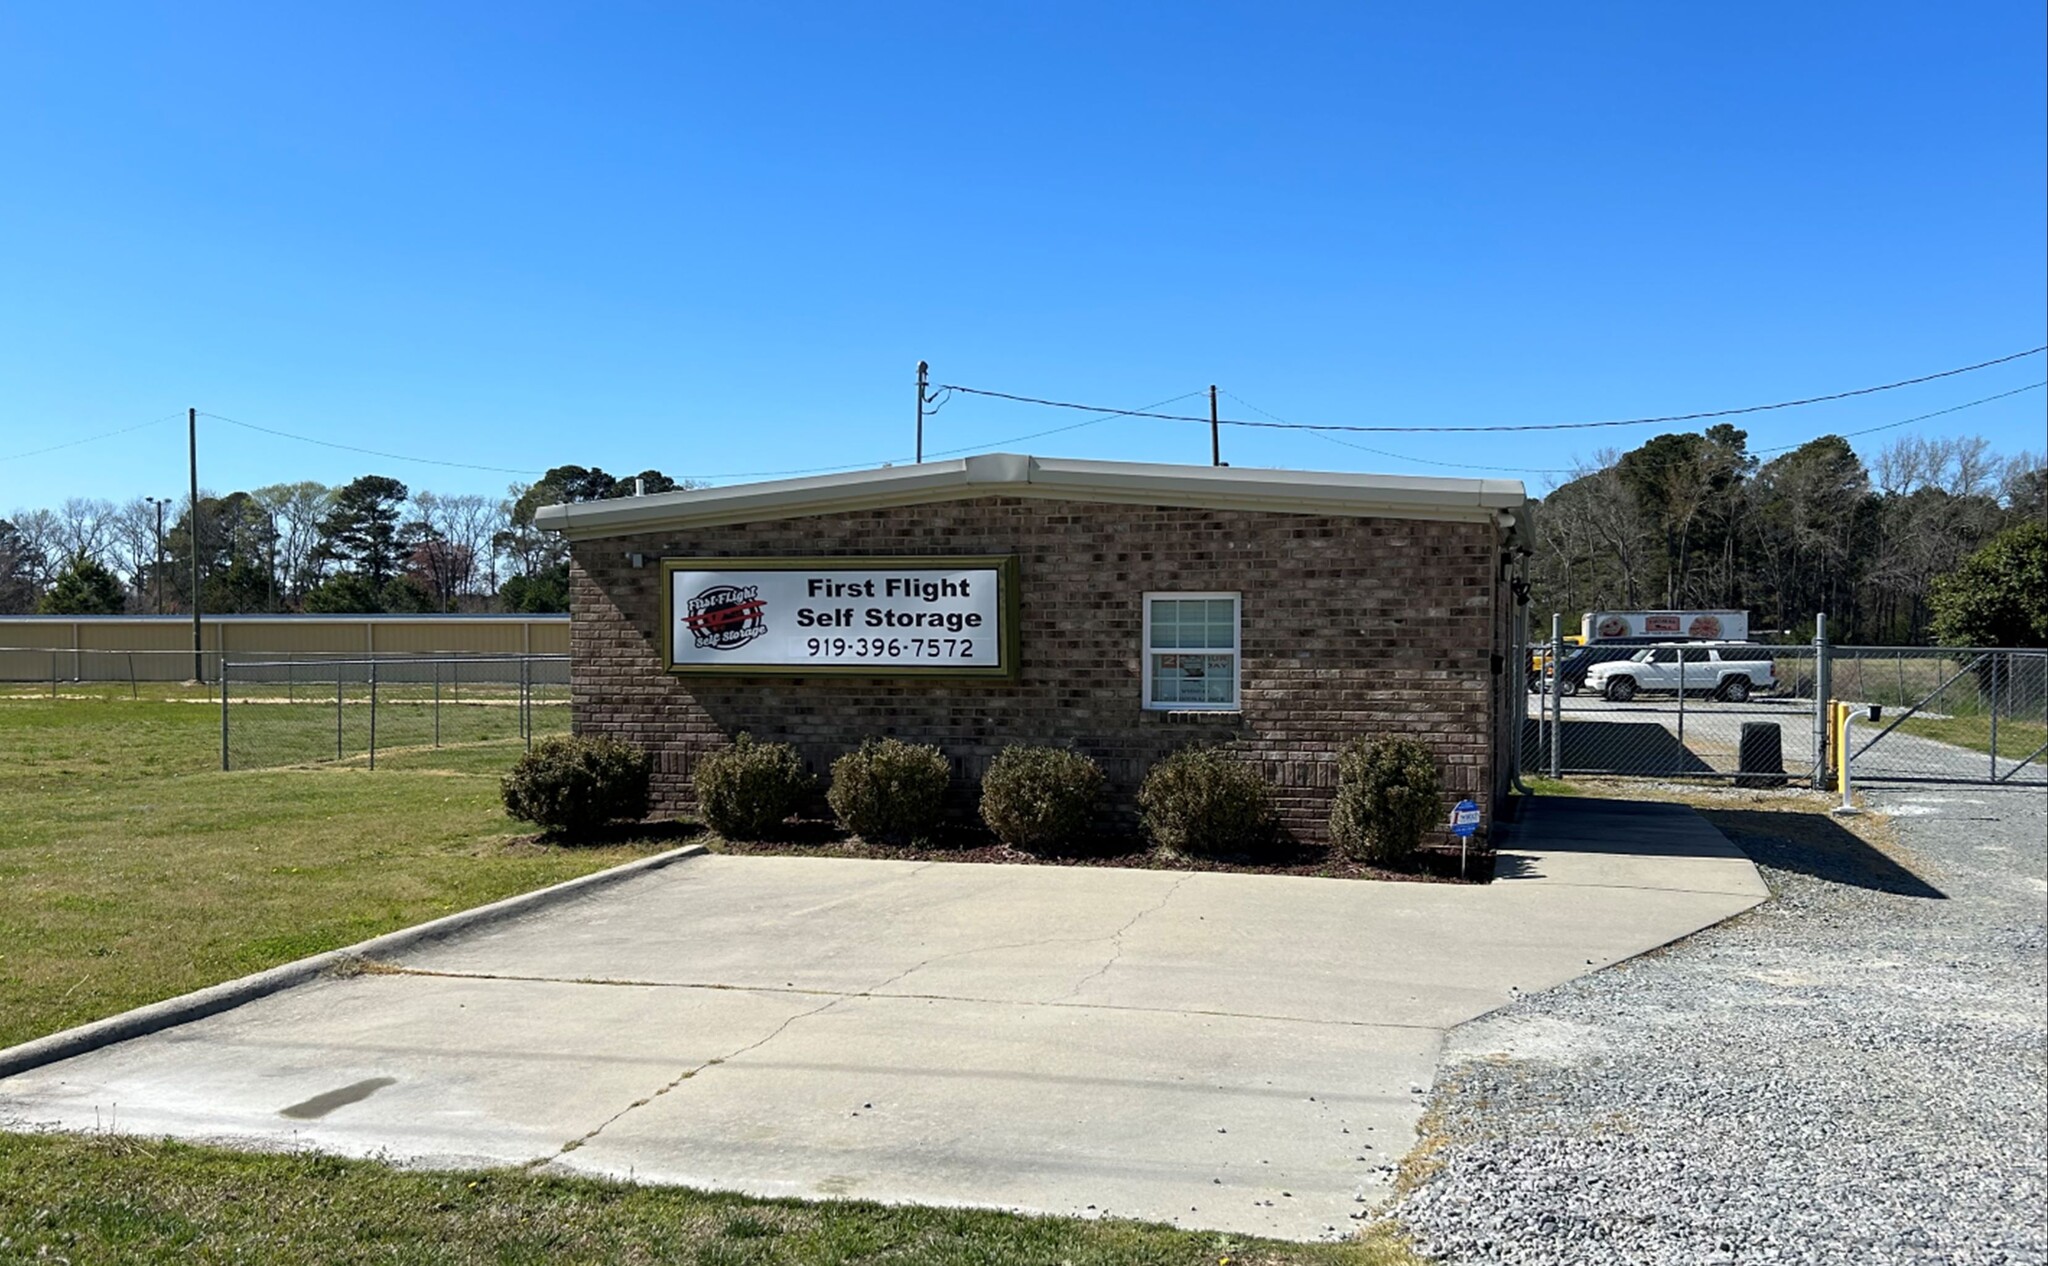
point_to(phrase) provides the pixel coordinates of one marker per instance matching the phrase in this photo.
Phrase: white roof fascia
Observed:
(1050, 478)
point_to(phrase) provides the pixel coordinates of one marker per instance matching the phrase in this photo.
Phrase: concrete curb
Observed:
(214, 999)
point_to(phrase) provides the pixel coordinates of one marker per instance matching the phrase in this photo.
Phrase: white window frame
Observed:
(1235, 650)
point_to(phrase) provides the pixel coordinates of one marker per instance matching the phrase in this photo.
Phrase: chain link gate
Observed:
(1682, 712)
(1951, 715)
(1948, 716)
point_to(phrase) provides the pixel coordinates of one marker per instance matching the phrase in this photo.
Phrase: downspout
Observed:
(1520, 589)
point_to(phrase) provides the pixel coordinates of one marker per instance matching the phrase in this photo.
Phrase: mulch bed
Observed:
(1434, 864)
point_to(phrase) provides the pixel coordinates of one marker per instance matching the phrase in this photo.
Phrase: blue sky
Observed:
(717, 239)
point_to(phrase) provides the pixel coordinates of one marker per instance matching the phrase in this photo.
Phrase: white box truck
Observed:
(1677, 626)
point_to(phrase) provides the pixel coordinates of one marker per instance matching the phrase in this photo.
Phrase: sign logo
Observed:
(1706, 627)
(1612, 626)
(1660, 624)
(726, 617)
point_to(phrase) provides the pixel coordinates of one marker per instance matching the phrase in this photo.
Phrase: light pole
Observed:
(158, 575)
(271, 544)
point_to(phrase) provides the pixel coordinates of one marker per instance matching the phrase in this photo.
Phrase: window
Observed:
(1191, 651)
(1663, 657)
(1696, 655)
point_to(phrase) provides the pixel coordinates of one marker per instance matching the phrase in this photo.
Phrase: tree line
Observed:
(1695, 520)
(1691, 519)
(369, 546)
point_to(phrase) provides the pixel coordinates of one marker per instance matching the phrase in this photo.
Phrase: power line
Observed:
(1566, 470)
(1871, 430)
(1538, 426)
(1018, 439)
(38, 452)
(944, 452)
(1403, 457)
(372, 452)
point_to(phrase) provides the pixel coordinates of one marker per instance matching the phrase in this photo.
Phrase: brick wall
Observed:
(1351, 626)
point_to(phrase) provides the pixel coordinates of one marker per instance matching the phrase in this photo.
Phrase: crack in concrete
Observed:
(842, 995)
(684, 1076)
(1116, 940)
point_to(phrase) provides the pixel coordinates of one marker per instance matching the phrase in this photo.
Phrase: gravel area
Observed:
(1855, 1072)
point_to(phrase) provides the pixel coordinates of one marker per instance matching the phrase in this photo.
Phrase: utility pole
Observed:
(922, 370)
(158, 574)
(1215, 435)
(192, 524)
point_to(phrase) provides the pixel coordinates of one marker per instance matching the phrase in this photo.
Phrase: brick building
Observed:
(1124, 609)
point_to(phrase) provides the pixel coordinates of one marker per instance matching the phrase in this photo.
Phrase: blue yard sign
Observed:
(1464, 818)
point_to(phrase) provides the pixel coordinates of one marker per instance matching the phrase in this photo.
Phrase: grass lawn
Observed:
(103, 1199)
(133, 869)
(2017, 739)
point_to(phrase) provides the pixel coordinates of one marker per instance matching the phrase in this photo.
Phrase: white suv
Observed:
(1722, 670)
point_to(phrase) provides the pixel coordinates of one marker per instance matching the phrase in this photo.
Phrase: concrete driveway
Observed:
(1244, 1053)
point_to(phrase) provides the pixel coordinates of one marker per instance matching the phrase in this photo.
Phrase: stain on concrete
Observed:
(327, 1101)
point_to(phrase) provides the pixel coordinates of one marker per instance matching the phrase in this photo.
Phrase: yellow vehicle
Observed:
(1539, 655)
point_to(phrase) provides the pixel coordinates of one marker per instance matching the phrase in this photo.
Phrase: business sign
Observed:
(1705, 626)
(1464, 818)
(876, 617)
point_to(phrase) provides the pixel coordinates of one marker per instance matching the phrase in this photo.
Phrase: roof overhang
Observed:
(1502, 502)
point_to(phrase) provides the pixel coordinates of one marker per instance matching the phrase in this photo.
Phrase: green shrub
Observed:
(746, 790)
(889, 791)
(1040, 799)
(1201, 802)
(571, 784)
(1389, 795)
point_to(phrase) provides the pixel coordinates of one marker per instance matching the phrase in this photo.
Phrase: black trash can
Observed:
(1761, 759)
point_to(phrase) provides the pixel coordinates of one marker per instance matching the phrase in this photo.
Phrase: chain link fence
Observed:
(1762, 715)
(303, 710)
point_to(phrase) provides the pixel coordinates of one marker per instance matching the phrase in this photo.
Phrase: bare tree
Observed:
(1902, 466)
(41, 548)
(2023, 485)
(438, 554)
(86, 528)
(471, 523)
(134, 548)
(296, 509)
(1971, 468)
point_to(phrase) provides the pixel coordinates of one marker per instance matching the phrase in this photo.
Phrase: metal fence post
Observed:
(526, 702)
(223, 713)
(1995, 657)
(134, 691)
(1557, 695)
(53, 674)
(437, 703)
(1680, 757)
(1820, 699)
(373, 714)
(339, 669)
